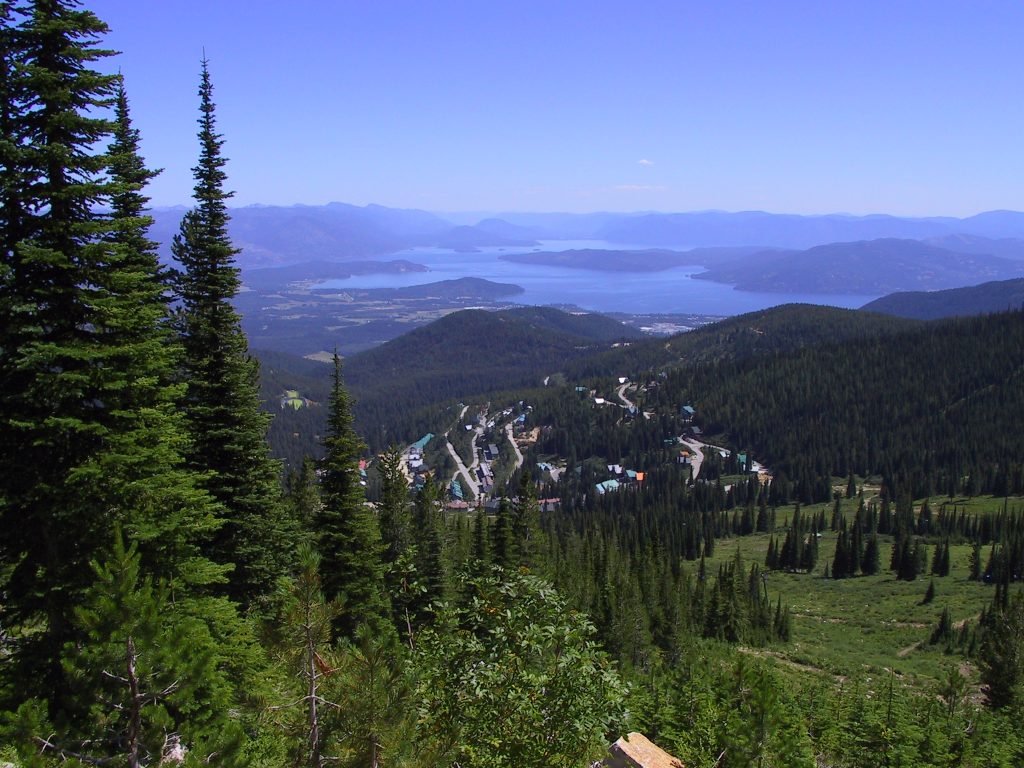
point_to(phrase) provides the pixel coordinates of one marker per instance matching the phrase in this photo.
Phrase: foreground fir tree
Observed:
(428, 527)
(227, 429)
(50, 243)
(92, 440)
(348, 534)
(347, 703)
(170, 516)
(149, 673)
(12, 134)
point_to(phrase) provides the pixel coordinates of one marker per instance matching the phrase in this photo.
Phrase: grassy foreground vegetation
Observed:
(866, 624)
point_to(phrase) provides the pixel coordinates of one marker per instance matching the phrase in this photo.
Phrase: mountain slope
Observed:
(400, 387)
(765, 332)
(474, 351)
(470, 353)
(864, 267)
(996, 296)
(931, 405)
(463, 354)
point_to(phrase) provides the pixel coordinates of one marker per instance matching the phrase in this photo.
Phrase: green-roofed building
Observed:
(420, 444)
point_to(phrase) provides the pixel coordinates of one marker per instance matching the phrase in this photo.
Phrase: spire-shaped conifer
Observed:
(227, 428)
(347, 530)
(91, 436)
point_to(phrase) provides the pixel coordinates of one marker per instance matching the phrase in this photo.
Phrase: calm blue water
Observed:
(671, 291)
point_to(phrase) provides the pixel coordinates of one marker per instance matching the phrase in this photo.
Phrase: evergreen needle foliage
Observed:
(348, 534)
(227, 430)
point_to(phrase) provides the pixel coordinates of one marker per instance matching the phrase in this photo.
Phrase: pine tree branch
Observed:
(47, 745)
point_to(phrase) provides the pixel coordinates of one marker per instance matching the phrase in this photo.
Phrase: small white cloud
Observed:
(645, 162)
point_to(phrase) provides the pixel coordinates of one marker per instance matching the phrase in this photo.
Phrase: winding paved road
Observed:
(698, 458)
(519, 454)
(627, 403)
(621, 392)
(468, 473)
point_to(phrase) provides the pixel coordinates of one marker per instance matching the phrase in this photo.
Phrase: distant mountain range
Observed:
(270, 236)
(792, 231)
(278, 235)
(1004, 247)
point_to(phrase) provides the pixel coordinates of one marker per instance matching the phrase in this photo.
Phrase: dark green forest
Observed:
(171, 594)
(400, 387)
(937, 409)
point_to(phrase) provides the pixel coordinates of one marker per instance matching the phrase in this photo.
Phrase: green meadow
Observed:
(868, 625)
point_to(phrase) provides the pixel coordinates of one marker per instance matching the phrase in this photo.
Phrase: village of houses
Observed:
(474, 485)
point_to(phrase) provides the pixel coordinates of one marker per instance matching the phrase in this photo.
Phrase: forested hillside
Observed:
(467, 353)
(788, 326)
(997, 296)
(166, 600)
(927, 408)
(473, 353)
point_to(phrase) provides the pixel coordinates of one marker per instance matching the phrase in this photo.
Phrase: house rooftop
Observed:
(637, 751)
(420, 444)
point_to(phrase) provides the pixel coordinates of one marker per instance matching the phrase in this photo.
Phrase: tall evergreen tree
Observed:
(526, 521)
(1001, 655)
(395, 522)
(92, 435)
(347, 529)
(227, 429)
(974, 562)
(401, 579)
(841, 559)
(169, 516)
(303, 494)
(146, 669)
(51, 175)
(870, 563)
(14, 181)
(480, 554)
(310, 719)
(503, 536)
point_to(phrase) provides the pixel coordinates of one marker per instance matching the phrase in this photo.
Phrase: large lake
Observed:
(671, 291)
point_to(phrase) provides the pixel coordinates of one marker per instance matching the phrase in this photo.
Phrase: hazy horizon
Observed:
(482, 214)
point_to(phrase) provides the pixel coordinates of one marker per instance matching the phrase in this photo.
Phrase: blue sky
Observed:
(904, 107)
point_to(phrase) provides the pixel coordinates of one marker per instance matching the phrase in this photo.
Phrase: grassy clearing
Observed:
(868, 625)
